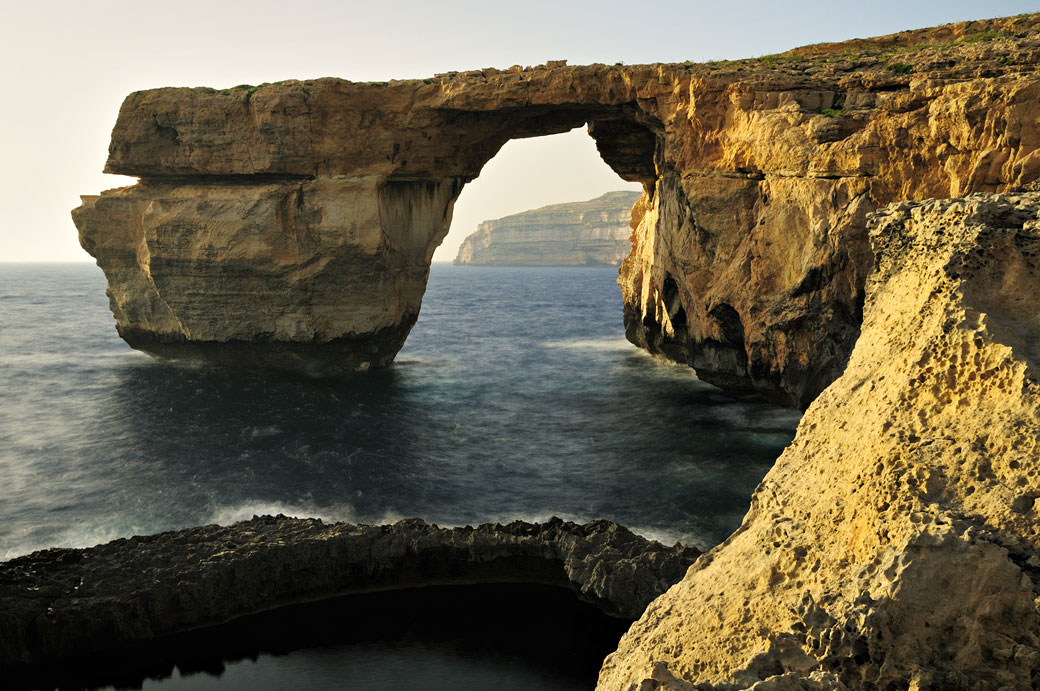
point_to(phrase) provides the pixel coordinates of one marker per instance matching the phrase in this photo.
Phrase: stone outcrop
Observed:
(896, 542)
(593, 232)
(290, 272)
(66, 603)
(294, 222)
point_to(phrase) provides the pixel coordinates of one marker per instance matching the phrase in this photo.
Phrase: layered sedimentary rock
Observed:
(324, 199)
(593, 232)
(299, 273)
(65, 603)
(896, 543)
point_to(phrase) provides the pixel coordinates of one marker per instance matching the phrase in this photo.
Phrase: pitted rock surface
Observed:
(896, 542)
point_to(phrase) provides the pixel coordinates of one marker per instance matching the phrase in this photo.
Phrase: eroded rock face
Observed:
(588, 233)
(64, 603)
(323, 273)
(896, 543)
(750, 255)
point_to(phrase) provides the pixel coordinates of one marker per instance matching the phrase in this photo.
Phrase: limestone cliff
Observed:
(896, 542)
(593, 232)
(295, 221)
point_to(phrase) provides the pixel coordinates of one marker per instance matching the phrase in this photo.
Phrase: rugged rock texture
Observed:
(576, 234)
(896, 543)
(750, 252)
(298, 273)
(750, 259)
(62, 603)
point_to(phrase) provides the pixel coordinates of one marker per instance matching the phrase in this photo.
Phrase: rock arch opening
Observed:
(315, 228)
(516, 200)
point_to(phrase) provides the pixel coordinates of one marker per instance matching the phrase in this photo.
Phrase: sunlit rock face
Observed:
(896, 542)
(293, 225)
(750, 253)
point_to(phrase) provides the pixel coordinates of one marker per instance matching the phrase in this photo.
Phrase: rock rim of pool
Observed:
(63, 604)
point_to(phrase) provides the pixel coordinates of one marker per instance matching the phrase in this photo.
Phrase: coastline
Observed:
(71, 604)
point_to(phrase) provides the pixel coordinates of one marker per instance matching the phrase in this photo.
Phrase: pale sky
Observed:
(66, 67)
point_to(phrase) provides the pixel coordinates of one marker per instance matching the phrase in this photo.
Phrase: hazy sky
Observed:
(68, 65)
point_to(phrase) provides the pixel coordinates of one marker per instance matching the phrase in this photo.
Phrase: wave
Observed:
(78, 537)
(594, 344)
(84, 357)
(90, 536)
(348, 514)
(334, 513)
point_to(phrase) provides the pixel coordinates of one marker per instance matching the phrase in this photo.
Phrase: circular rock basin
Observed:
(501, 636)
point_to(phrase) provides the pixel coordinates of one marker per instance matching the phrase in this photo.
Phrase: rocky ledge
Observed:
(68, 603)
(589, 233)
(896, 542)
(294, 223)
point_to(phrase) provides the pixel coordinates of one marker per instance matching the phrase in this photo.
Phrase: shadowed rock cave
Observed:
(496, 628)
(557, 595)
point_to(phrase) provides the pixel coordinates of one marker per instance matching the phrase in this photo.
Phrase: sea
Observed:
(516, 396)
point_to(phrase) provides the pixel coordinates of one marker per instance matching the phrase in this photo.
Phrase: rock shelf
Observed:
(67, 603)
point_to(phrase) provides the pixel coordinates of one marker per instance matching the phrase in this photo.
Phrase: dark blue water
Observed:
(516, 396)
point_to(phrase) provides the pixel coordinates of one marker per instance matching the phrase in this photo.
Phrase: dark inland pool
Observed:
(516, 396)
(502, 636)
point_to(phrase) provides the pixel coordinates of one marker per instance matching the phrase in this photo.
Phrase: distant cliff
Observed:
(591, 232)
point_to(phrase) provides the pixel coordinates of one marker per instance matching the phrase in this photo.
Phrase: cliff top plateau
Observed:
(332, 126)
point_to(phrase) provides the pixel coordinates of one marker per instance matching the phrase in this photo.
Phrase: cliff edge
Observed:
(896, 542)
(783, 226)
(589, 233)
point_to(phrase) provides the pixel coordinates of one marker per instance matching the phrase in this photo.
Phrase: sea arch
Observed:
(293, 223)
(765, 176)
